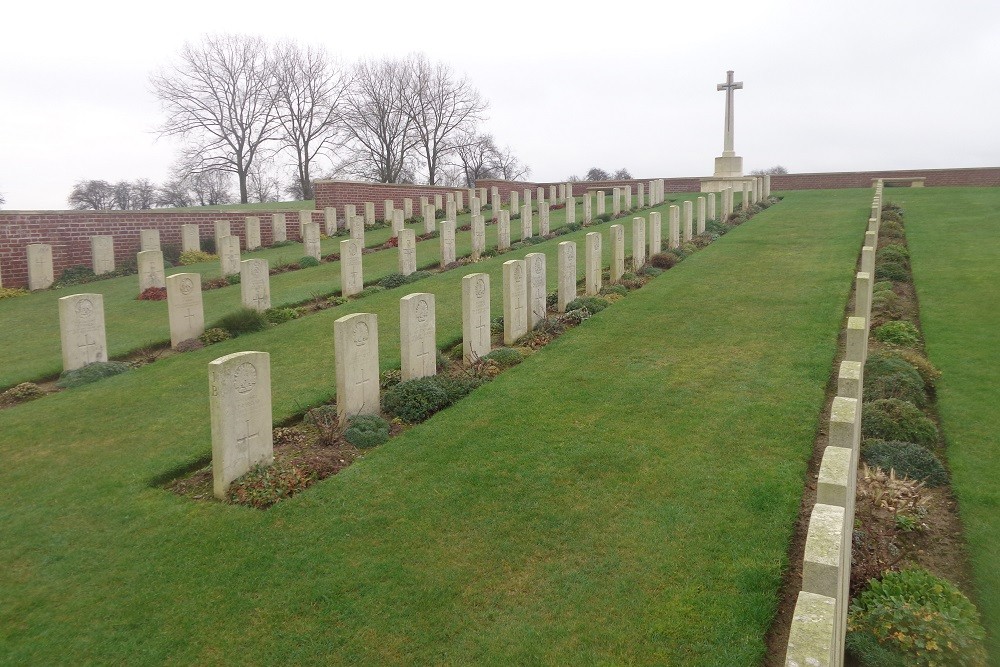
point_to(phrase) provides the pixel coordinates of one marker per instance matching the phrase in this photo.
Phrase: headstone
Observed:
(593, 263)
(641, 195)
(102, 254)
(459, 200)
(229, 255)
(494, 202)
(475, 317)
(617, 252)
(355, 341)
(515, 202)
(330, 224)
(150, 269)
(567, 274)
(536, 279)
(527, 198)
(627, 196)
(588, 208)
(767, 186)
(540, 194)
(446, 236)
(185, 311)
(561, 190)
(503, 229)
(526, 222)
(369, 213)
(688, 226)
(305, 217)
(240, 400)
(255, 284)
(407, 208)
(350, 211)
(310, 240)
(745, 203)
(601, 203)
(149, 239)
(570, 210)
(515, 296)
(424, 202)
(388, 206)
(438, 203)
(279, 230)
(482, 194)
(655, 233)
(553, 199)
(450, 211)
(616, 202)
(711, 206)
(543, 218)
(407, 251)
(863, 294)
(476, 206)
(430, 222)
(356, 225)
(252, 227)
(701, 215)
(478, 237)
(674, 238)
(222, 230)
(417, 336)
(81, 330)
(351, 278)
(638, 243)
(397, 223)
(190, 240)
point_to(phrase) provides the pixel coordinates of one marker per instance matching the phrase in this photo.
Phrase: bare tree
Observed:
(474, 153)
(263, 184)
(143, 194)
(377, 123)
(3, 200)
(219, 99)
(175, 193)
(443, 107)
(121, 196)
(597, 174)
(622, 174)
(94, 195)
(211, 188)
(310, 89)
(506, 165)
(776, 169)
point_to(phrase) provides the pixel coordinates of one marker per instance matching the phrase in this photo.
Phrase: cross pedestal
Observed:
(728, 166)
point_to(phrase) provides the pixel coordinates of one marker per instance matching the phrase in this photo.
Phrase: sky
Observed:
(835, 86)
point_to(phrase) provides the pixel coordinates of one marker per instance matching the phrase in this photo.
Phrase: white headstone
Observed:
(355, 341)
(711, 206)
(438, 203)
(638, 243)
(388, 207)
(417, 336)
(553, 199)
(81, 330)
(369, 213)
(429, 219)
(515, 296)
(407, 208)
(185, 311)
(616, 201)
(149, 239)
(641, 195)
(655, 233)
(601, 202)
(627, 196)
(536, 279)
(350, 211)
(305, 217)
(570, 210)
(397, 222)
(674, 239)
(526, 222)
(567, 274)
(446, 237)
(229, 255)
(475, 317)
(310, 240)
(330, 223)
(593, 263)
(450, 209)
(478, 237)
(688, 222)
(240, 400)
(102, 254)
(222, 230)
(701, 215)
(588, 208)
(476, 206)
(503, 229)
(190, 240)
(356, 226)
(515, 202)
(279, 231)
(543, 218)
(351, 278)
(150, 270)
(617, 252)
(252, 226)
(255, 284)
(407, 251)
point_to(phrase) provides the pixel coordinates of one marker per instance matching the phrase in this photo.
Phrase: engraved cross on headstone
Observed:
(729, 86)
(483, 328)
(190, 315)
(246, 438)
(260, 297)
(424, 352)
(87, 344)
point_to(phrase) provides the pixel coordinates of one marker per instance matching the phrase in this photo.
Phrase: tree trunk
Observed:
(242, 174)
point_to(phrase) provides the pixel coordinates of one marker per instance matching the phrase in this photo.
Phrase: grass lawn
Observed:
(954, 239)
(133, 324)
(625, 495)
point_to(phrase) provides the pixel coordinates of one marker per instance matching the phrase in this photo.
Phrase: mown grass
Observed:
(954, 240)
(30, 348)
(626, 495)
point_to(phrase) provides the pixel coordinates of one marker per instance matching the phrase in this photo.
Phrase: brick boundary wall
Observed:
(972, 177)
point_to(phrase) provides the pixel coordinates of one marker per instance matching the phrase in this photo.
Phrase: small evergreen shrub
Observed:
(892, 215)
(664, 260)
(457, 387)
(26, 391)
(214, 335)
(91, 373)
(74, 275)
(573, 227)
(906, 458)
(898, 332)
(716, 227)
(894, 419)
(505, 357)
(307, 262)
(366, 431)
(923, 619)
(889, 376)
(208, 245)
(886, 306)
(390, 378)
(892, 271)
(574, 317)
(393, 280)
(418, 275)
(243, 321)
(280, 315)
(263, 486)
(614, 289)
(603, 217)
(882, 286)
(928, 371)
(414, 401)
(593, 304)
(891, 230)
(371, 289)
(189, 257)
(279, 244)
(12, 292)
(894, 252)
(689, 248)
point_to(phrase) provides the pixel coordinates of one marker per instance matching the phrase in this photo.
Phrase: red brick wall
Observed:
(975, 177)
(69, 232)
(339, 193)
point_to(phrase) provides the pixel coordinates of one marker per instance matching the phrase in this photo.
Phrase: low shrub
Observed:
(214, 335)
(307, 262)
(390, 378)
(593, 304)
(91, 373)
(280, 315)
(208, 245)
(414, 401)
(891, 230)
(371, 289)
(326, 422)
(892, 215)
(907, 459)
(614, 289)
(26, 391)
(393, 280)
(74, 275)
(921, 618)
(892, 271)
(894, 419)
(603, 217)
(418, 275)
(716, 227)
(243, 321)
(889, 376)
(898, 332)
(263, 485)
(282, 244)
(153, 294)
(882, 286)
(928, 371)
(189, 257)
(366, 431)
(233, 279)
(886, 306)
(894, 252)
(574, 317)
(664, 260)
(189, 345)
(12, 292)
(457, 387)
(505, 357)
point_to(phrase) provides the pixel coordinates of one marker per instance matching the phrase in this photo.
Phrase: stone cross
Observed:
(150, 269)
(185, 312)
(407, 251)
(255, 284)
(81, 330)
(351, 280)
(638, 243)
(617, 252)
(515, 296)
(475, 317)
(355, 343)
(536, 288)
(567, 274)
(252, 227)
(593, 263)
(240, 403)
(417, 336)
(729, 86)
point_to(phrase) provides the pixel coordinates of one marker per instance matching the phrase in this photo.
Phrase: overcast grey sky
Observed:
(828, 86)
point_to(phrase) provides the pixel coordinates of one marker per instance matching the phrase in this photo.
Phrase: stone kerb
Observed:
(810, 641)
(255, 284)
(475, 317)
(81, 330)
(417, 336)
(240, 401)
(185, 310)
(356, 349)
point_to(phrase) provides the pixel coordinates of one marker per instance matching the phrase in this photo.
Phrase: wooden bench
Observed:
(901, 181)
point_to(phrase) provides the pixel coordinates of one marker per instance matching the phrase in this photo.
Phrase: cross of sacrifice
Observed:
(729, 86)
(246, 438)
